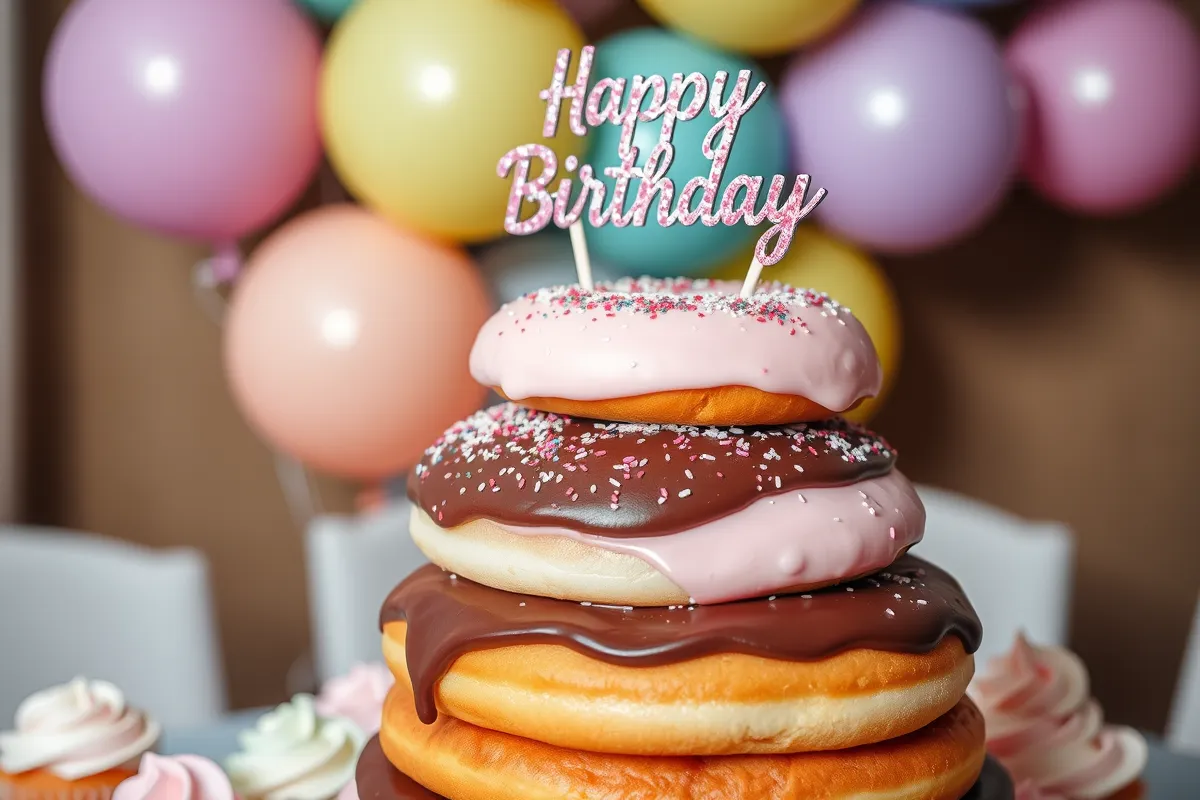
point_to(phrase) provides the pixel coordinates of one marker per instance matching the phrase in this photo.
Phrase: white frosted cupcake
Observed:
(294, 753)
(79, 740)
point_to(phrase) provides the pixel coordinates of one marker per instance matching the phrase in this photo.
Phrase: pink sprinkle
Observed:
(628, 460)
(662, 492)
(520, 483)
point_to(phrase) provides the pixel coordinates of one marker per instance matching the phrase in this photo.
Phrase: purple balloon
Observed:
(910, 121)
(192, 117)
(1115, 99)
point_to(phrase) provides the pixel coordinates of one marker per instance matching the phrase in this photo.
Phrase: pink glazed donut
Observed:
(679, 351)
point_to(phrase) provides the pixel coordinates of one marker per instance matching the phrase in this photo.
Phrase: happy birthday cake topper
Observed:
(617, 101)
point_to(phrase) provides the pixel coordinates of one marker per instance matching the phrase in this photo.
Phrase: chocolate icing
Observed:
(528, 468)
(377, 779)
(908, 608)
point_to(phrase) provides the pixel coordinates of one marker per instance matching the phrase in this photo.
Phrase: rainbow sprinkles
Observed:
(622, 102)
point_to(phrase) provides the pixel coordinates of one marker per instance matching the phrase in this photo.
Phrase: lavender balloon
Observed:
(910, 121)
(191, 117)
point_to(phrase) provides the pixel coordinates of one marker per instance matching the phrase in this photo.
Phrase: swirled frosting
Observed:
(358, 695)
(293, 753)
(75, 730)
(1044, 726)
(176, 778)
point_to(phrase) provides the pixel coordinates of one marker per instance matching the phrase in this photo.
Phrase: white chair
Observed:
(74, 604)
(1183, 729)
(353, 564)
(1017, 573)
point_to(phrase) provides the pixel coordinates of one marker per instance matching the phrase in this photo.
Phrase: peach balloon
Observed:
(347, 341)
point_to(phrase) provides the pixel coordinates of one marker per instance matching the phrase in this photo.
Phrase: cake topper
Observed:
(622, 102)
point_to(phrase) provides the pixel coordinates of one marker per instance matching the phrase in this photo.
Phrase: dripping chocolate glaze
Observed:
(448, 617)
(523, 467)
(378, 779)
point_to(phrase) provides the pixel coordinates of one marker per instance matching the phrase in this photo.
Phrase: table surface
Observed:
(1169, 776)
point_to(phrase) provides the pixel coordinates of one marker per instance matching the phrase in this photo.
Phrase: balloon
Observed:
(908, 117)
(760, 149)
(753, 26)
(418, 105)
(327, 10)
(1115, 93)
(819, 261)
(966, 3)
(523, 264)
(189, 117)
(586, 12)
(347, 340)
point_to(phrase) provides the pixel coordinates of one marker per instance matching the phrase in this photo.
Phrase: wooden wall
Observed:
(1051, 368)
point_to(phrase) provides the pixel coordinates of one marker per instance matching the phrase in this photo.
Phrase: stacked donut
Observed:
(667, 569)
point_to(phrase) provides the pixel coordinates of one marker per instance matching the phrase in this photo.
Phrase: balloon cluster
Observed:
(348, 334)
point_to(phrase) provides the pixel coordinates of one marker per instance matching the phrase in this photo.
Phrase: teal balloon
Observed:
(760, 148)
(326, 10)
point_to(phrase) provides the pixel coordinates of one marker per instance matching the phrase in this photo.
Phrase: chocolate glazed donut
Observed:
(909, 608)
(523, 467)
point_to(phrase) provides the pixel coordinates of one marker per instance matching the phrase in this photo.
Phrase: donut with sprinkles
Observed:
(679, 351)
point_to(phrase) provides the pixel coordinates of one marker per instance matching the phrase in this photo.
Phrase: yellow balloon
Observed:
(818, 261)
(419, 102)
(764, 27)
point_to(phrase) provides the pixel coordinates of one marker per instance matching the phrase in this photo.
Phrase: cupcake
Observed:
(77, 741)
(1043, 725)
(358, 695)
(176, 778)
(294, 753)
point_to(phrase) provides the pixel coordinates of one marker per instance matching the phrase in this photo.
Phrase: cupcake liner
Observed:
(9, 791)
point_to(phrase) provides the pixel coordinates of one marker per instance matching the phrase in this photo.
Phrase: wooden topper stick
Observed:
(751, 282)
(583, 263)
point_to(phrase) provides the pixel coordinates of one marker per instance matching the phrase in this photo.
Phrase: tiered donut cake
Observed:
(669, 570)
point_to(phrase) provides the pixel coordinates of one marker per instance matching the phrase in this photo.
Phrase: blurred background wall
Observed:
(1050, 367)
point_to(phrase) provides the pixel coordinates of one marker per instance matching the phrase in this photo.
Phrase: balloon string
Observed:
(299, 494)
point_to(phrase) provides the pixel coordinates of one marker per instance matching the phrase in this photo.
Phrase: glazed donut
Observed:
(838, 668)
(461, 761)
(644, 515)
(378, 779)
(682, 351)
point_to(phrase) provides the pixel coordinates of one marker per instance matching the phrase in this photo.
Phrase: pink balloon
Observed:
(191, 117)
(347, 341)
(1115, 93)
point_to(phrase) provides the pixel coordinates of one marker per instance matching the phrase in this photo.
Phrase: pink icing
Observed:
(349, 791)
(816, 536)
(1046, 729)
(176, 778)
(357, 695)
(636, 337)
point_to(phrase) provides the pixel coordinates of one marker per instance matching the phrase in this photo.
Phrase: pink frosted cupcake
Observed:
(358, 695)
(1046, 729)
(176, 778)
(78, 741)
